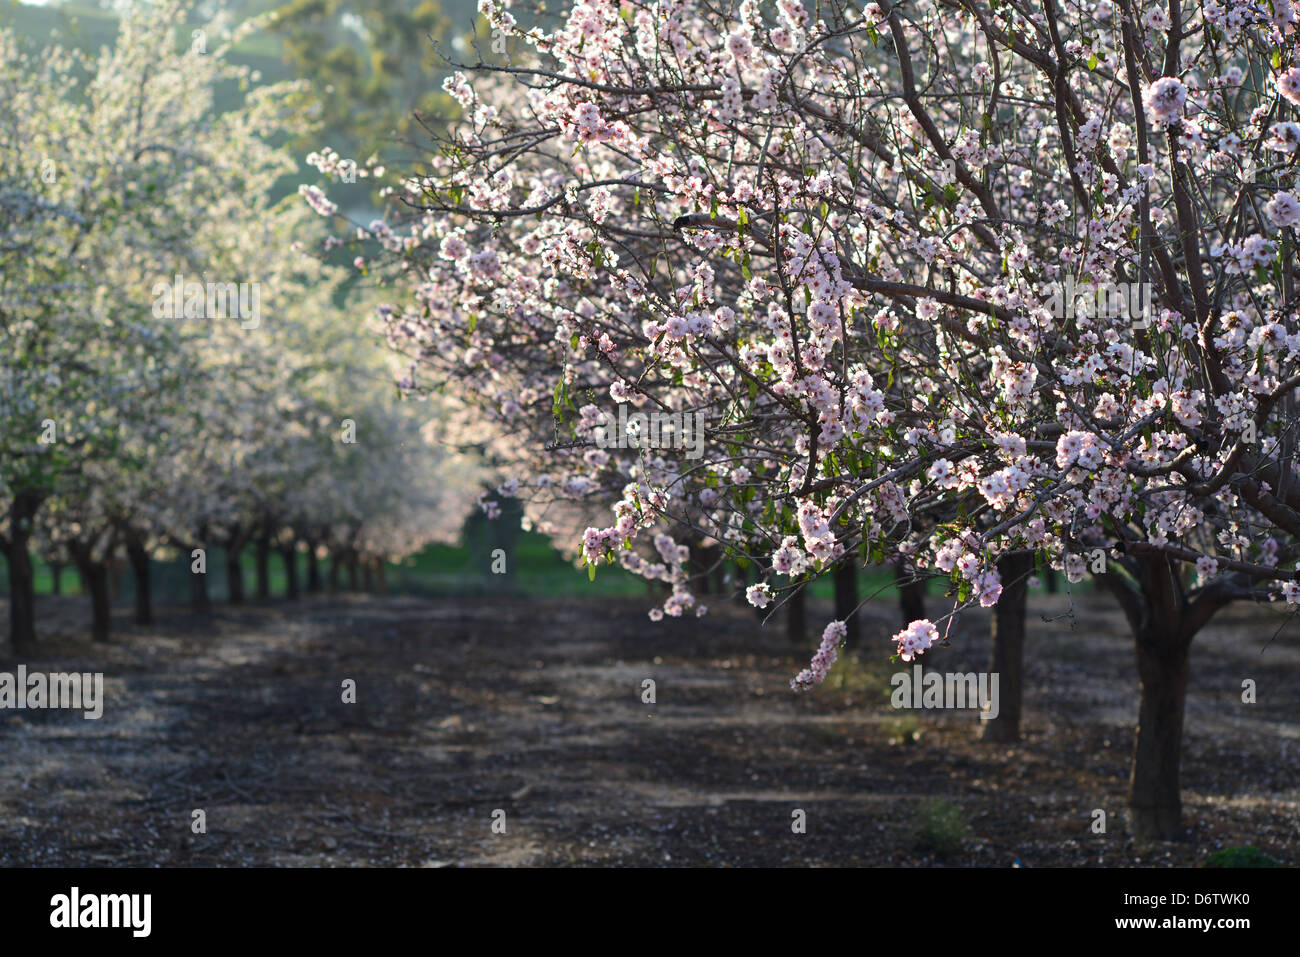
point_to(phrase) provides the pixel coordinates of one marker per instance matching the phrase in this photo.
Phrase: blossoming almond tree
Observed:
(843, 241)
(134, 179)
(137, 411)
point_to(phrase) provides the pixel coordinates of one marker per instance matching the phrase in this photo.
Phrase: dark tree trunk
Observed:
(699, 566)
(56, 578)
(100, 610)
(335, 567)
(1053, 583)
(94, 578)
(1008, 647)
(352, 572)
(1154, 796)
(22, 599)
(1163, 622)
(367, 575)
(138, 556)
(113, 565)
(741, 583)
(911, 593)
(711, 564)
(290, 555)
(796, 625)
(22, 580)
(846, 599)
(234, 576)
(263, 558)
(313, 569)
(381, 576)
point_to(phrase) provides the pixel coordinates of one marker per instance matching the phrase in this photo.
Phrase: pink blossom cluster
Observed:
(823, 660)
(913, 640)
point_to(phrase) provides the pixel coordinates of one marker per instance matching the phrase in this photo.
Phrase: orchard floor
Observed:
(534, 709)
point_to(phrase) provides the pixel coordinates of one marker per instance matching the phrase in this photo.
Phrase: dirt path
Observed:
(535, 709)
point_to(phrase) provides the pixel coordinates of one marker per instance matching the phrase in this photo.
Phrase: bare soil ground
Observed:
(535, 708)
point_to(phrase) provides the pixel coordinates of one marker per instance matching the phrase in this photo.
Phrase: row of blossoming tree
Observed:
(175, 371)
(841, 238)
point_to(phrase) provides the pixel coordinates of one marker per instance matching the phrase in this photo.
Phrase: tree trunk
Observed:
(263, 558)
(335, 567)
(911, 593)
(1163, 622)
(712, 561)
(1154, 798)
(741, 582)
(367, 575)
(56, 578)
(94, 578)
(846, 599)
(113, 566)
(234, 576)
(22, 597)
(381, 576)
(1050, 579)
(796, 626)
(313, 569)
(290, 555)
(699, 565)
(352, 571)
(22, 580)
(100, 609)
(139, 559)
(1008, 646)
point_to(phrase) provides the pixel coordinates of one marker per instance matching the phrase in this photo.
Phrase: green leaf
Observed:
(591, 572)
(1092, 62)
